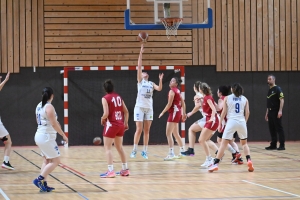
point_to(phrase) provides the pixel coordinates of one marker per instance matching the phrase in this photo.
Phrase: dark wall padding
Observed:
(21, 94)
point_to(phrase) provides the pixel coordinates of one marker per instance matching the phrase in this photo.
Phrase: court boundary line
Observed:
(77, 175)
(51, 175)
(271, 188)
(4, 195)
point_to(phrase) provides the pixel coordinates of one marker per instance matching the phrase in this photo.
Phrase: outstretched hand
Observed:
(161, 76)
(160, 115)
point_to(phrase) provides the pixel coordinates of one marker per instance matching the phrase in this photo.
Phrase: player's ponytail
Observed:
(46, 95)
(108, 86)
(205, 88)
(237, 89)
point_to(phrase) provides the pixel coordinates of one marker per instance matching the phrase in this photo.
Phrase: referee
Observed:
(275, 101)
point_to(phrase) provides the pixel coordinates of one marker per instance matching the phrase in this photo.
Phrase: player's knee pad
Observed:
(4, 139)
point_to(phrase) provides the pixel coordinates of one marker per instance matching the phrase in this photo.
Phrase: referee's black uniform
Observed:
(275, 125)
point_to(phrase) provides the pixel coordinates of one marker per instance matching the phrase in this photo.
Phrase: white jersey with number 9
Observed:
(236, 107)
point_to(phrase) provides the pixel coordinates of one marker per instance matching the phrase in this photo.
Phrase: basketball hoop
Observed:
(171, 25)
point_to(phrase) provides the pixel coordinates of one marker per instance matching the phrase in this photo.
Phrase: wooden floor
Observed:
(276, 175)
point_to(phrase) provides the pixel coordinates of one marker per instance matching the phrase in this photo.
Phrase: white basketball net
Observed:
(171, 26)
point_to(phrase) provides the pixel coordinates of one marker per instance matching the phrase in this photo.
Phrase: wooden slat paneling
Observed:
(242, 35)
(224, 37)
(253, 36)
(34, 33)
(201, 32)
(195, 34)
(248, 35)
(259, 35)
(213, 36)
(271, 34)
(22, 33)
(277, 36)
(265, 50)
(282, 35)
(230, 34)
(41, 39)
(218, 35)
(16, 8)
(288, 36)
(206, 38)
(10, 43)
(236, 36)
(3, 37)
(295, 41)
(28, 34)
(298, 31)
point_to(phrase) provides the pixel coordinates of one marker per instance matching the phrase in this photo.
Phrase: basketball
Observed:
(97, 141)
(143, 37)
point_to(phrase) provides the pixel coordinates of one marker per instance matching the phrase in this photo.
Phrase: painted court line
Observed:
(271, 188)
(4, 195)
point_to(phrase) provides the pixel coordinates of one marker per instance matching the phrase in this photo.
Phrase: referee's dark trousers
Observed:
(275, 126)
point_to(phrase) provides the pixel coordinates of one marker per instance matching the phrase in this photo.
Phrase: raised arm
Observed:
(169, 104)
(52, 118)
(159, 87)
(5, 80)
(139, 70)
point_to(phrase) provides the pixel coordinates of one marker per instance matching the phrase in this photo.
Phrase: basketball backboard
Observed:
(147, 14)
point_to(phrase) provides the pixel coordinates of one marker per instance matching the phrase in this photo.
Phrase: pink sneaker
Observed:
(125, 172)
(237, 156)
(250, 166)
(108, 174)
(213, 168)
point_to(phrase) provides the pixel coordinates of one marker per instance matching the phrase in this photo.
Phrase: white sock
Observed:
(232, 150)
(6, 159)
(110, 168)
(124, 166)
(182, 149)
(145, 148)
(135, 146)
(208, 157)
(171, 151)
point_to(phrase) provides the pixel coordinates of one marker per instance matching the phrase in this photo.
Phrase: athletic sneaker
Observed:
(213, 168)
(125, 172)
(250, 166)
(108, 174)
(133, 154)
(49, 189)
(238, 162)
(170, 157)
(189, 152)
(144, 154)
(6, 165)
(237, 156)
(40, 184)
(208, 163)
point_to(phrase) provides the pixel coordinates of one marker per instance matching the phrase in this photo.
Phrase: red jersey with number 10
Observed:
(115, 108)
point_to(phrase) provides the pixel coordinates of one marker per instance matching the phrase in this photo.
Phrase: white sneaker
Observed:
(205, 163)
(133, 154)
(208, 163)
(170, 157)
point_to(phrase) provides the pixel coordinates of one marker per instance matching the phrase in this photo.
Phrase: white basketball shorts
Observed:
(201, 122)
(47, 144)
(232, 126)
(3, 131)
(141, 114)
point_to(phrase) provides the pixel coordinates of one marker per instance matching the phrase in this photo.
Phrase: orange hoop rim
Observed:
(170, 21)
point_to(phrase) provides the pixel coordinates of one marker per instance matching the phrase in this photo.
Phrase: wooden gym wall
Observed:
(256, 35)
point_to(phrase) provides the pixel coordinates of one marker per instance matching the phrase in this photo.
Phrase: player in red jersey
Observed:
(222, 92)
(177, 111)
(115, 122)
(212, 121)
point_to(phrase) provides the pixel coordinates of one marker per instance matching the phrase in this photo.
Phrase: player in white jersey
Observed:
(236, 107)
(4, 135)
(45, 137)
(143, 110)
